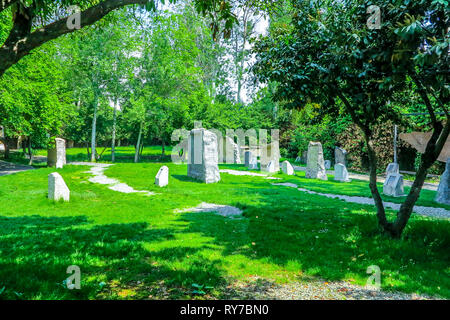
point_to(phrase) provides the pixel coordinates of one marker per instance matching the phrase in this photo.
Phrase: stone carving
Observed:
(203, 156)
(57, 188)
(315, 167)
(443, 192)
(341, 173)
(393, 185)
(287, 168)
(162, 177)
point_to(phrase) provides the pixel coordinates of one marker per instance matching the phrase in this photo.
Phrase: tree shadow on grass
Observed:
(36, 252)
(334, 240)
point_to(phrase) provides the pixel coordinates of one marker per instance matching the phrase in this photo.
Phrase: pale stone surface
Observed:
(270, 153)
(393, 185)
(162, 177)
(287, 168)
(57, 157)
(251, 161)
(222, 210)
(443, 193)
(57, 188)
(231, 152)
(203, 156)
(272, 167)
(327, 164)
(340, 156)
(315, 167)
(392, 168)
(341, 173)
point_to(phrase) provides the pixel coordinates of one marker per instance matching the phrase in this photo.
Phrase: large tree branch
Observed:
(12, 51)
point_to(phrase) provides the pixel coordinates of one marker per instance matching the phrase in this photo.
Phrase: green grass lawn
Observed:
(135, 246)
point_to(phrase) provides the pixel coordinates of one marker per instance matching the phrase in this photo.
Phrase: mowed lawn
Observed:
(132, 246)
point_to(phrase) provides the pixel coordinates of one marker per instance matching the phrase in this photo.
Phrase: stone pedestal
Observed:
(203, 156)
(162, 177)
(57, 188)
(315, 167)
(443, 192)
(393, 186)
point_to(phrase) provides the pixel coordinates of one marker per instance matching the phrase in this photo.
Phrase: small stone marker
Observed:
(393, 185)
(298, 159)
(271, 167)
(203, 156)
(443, 192)
(57, 157)
(327, 164)
(392, 168)
(162, 178)
(340, 156)
(315, 167)
(251, 160)
(57, 188)
(341, 173)
(287, 168)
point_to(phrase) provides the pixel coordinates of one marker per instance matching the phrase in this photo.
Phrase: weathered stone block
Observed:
(203, 156)
(162, 177)
(341, 173)
(57, 188)
(315, 167)
(287, 168)
(393, 185)
(443, 192)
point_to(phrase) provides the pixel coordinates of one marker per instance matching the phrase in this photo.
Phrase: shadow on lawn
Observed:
(36, 252)
(335, 244)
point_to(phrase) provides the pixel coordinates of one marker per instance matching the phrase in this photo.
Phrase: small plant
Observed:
(200, 289)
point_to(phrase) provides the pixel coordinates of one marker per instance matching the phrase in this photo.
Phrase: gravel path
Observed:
(98, 169)
(10, 168)
(263, 289)
(424, 211)
(247, 173)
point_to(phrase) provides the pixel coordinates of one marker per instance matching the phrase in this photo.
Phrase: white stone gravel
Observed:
(242, 173)
(222, 210)
(424, 211)
(99, 177)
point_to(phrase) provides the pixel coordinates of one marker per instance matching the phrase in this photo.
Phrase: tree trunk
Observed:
(138, 145)
(94, 126)
(113, 143)
(30, 152)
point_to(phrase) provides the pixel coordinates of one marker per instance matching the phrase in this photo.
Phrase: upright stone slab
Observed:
(162, 177)
(392, 168)
(443, 192)
(203, 156)
(251, 161)
(315, 167)
(272, 167)
(298, 159)
(287, 168)
(57, 157)
(341, 173)
(57, 188)
(231, 151)
(340, 156)
(327, 164)
(270, 153)
(393, 185)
